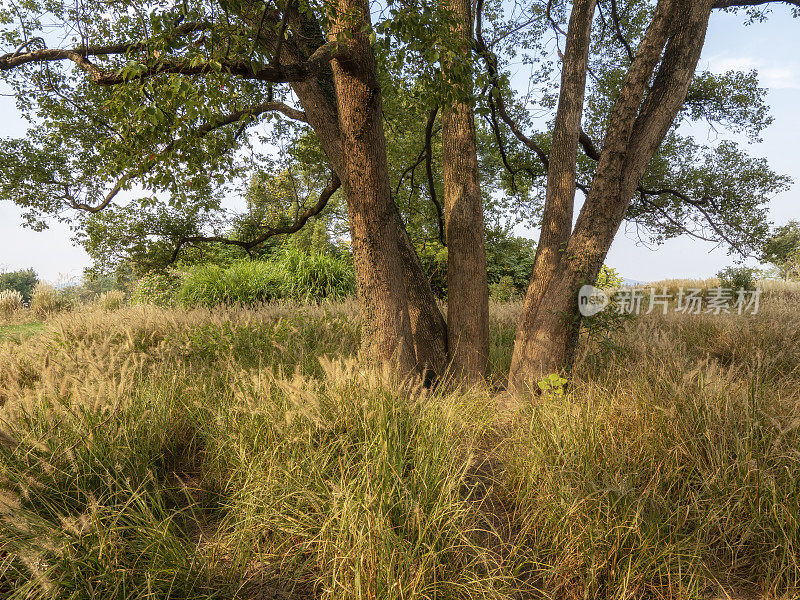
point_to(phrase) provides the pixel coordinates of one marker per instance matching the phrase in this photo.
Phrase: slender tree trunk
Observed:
(467, 290)
(636, 130)
(560, 197)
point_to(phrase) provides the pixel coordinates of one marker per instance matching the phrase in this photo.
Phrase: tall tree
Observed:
(467, 288)
(171, 89)
(163, 96)
(652, 93)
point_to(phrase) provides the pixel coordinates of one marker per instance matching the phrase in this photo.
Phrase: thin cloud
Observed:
(774, 77)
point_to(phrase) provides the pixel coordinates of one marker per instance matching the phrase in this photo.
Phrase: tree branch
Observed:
(244, 69)
(491, 64)
(429, 172)
(312, 211)
(700, 205)
(743, 3)
(203, 130)
(18, 58)
(618, 27)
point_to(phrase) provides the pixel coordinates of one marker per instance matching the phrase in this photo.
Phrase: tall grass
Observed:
(251, 453)
(10, 302)
(47, 300)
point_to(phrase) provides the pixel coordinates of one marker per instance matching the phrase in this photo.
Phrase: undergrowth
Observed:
(234, 453)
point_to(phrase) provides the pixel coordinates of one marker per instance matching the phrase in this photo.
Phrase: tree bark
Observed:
(375, 236)
(429, 332)
(560, 196)
(318, 97)
(639, 122)
(467, 289)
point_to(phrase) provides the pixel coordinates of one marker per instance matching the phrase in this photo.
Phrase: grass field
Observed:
(231, 453)
(17, 332)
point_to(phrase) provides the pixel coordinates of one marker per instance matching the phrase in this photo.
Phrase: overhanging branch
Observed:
(42, 55)
(298, 224)
(203, 130)
(745, 3)
(274, 73)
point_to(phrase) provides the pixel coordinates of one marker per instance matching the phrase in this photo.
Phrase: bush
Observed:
(509, 264)
(503, 290)
(111, 300)
(10, 302)
(292, 274)
(157, 288)
(313, 276)
(22, 281)
(244, 282)
(608, 278)
(48, 300)
(509, 259)
(738, 278)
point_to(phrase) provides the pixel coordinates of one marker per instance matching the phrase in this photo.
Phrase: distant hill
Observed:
(631, 282)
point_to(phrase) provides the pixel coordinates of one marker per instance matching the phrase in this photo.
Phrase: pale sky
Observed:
(773, 48)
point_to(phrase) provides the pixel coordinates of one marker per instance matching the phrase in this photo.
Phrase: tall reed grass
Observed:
(253, 453)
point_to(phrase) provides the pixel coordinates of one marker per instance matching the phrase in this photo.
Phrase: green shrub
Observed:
(10, 302)
(608, 278)
(509, 259)
(738, 278)
(156, 288)
(433, 257)
(22, 281)
(48, 300)
(509, 264)
(313, 276)
(503, 290)
(291, 274)
(243, 282)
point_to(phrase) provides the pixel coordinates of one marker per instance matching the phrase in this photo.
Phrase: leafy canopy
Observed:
(148, 120)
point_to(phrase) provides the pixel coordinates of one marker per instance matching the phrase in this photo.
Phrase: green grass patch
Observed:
(17, 332)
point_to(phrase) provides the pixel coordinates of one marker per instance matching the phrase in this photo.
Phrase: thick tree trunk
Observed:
(636, 130)
(467, 289)
(318, 98)
(374, 231)
(428, 329)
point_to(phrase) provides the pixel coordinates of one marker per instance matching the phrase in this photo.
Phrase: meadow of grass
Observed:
(17, 332)
(229, 453)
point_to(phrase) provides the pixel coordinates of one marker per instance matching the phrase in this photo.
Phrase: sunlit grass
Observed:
(17, 332)
(233, 453)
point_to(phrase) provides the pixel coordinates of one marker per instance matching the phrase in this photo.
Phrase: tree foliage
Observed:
(782, 249)
(173, 113)
(23, 281)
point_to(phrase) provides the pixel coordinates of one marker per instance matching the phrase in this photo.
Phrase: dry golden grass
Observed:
(237, 453)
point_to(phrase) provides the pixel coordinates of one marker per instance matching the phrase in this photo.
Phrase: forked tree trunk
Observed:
(636, 130)
(467, 290)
